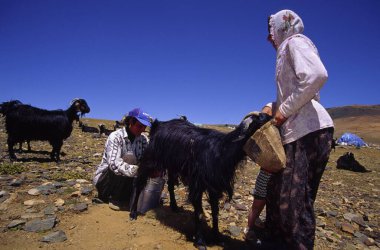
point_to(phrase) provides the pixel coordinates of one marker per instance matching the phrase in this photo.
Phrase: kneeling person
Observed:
(123, 150)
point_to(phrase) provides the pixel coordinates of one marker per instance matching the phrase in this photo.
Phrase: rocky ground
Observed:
(44, 204)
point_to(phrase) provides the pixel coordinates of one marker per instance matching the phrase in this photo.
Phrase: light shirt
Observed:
(300, 74)
(118, 148)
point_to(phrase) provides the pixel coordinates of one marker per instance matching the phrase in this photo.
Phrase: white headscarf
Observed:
(283, 25)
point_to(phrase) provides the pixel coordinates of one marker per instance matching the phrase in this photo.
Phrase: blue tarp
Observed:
(351, 139)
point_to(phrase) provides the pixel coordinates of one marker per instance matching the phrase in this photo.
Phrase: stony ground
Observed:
(51, 205)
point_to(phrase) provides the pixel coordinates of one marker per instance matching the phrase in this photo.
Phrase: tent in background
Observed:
(351, 139)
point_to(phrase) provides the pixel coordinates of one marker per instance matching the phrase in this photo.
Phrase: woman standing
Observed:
(306, 130)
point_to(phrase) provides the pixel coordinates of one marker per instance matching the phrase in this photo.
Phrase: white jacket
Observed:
(300, 74)
(117, 149)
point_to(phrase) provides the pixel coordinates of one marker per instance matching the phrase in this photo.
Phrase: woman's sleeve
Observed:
(310, 72)
(115, 160)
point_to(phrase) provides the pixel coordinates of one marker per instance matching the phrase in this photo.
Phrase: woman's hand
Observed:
(279, 119)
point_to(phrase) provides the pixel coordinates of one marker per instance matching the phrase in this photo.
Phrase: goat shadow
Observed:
(183, 222)
(42, 152)
(36, 159)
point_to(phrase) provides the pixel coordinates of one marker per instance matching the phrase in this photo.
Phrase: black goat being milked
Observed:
(204, 159)
(28, 123)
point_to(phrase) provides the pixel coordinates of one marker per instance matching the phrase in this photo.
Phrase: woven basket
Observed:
(265, 148)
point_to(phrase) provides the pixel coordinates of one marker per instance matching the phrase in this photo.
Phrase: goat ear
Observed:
(74, 100)
(245, 126)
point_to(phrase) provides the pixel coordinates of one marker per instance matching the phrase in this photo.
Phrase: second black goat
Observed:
(28, 123)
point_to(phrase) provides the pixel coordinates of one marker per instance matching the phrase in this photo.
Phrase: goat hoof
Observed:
(133, 216)
(200, 244)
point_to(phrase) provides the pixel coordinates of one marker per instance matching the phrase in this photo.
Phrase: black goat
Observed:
(88, 129)
(24, 122)
(117, 125)
(104, 130)
(204, 159)
(347, 161)
(5, 108)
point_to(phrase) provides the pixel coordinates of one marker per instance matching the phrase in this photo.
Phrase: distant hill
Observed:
(358, 119)
(354, 110)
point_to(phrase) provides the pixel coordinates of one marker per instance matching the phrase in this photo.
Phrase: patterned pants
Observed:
(292, 191)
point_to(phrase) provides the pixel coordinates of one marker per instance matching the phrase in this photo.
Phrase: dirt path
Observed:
(102, 228)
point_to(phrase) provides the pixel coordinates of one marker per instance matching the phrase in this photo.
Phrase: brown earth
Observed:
(99, 227)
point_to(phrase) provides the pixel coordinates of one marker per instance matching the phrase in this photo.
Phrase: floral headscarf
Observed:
(284, 24)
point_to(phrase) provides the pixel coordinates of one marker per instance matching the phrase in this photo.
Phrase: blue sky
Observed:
(206, 59)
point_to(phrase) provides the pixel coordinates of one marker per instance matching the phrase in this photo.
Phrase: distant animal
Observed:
(183, 117)
(348, 162)
(6, 107)
(117, 125)
(88, 129)
(28, 123)
(204, 159)
(104, 130)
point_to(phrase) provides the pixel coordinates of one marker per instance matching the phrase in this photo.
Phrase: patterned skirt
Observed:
(292, 192)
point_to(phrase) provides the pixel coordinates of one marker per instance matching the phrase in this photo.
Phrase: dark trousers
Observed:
(292, 191)
(114, 187)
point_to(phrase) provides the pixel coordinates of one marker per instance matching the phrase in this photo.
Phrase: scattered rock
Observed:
(86, 190)
(75, 194)
(348, 228)
(34, 192)
(331, 213)
(4, 204)
(59, 202)
(33, 202)
(241, 207)
(234, 230)
(82, 181)
(80, 207)
(16, 182)
(58, 236)
(29, 216)
(16, 223)
(50, 210)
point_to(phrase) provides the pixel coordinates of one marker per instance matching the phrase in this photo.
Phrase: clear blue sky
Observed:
(206, 59)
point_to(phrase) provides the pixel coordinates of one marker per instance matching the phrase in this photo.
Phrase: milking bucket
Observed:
(265, 148)
(151, 195)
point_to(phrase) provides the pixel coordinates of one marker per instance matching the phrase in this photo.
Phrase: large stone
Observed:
(58, 236)
(38, 225)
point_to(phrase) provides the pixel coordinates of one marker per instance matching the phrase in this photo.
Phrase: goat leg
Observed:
(200, 242)
(213, 199)
(138, 185)
(11, 152)
(173, 202)
(56, 150)
(29, 148)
